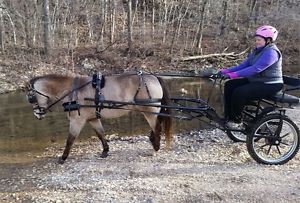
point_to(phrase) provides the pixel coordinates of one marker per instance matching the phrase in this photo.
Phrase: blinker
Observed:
(31, 98)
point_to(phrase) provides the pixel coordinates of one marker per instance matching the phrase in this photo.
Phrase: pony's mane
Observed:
(55, 77)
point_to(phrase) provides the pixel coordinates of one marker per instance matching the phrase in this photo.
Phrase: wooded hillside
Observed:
(164, 28)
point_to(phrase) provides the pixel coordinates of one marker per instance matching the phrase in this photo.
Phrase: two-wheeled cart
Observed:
(270, 135)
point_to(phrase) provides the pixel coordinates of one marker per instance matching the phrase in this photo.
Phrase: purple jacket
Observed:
(245, 69)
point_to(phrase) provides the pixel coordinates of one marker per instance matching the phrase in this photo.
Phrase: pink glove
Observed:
(232, 75)
(224, 70)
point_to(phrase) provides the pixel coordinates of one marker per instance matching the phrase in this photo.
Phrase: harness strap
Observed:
(67, 94)
(97, 83)
(74, 96)
(142, 82)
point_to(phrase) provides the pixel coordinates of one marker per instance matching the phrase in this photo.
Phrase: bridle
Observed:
(32, 99)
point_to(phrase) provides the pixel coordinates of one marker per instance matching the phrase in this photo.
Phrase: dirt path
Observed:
(204, 166)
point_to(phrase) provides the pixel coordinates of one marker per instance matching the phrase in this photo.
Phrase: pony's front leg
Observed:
(75, 128)
(97, 125)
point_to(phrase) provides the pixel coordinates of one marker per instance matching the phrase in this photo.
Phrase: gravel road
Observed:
(204, 166)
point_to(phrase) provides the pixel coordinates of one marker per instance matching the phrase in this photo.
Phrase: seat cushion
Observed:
(285, 98)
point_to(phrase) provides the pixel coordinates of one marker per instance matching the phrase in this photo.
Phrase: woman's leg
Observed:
(229, 87)
(248, 92)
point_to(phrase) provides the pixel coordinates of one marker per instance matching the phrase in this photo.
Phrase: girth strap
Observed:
(74, 96)
(73, 104)
(98, 82)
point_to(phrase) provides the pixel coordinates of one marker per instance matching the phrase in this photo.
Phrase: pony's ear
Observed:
(25, 87)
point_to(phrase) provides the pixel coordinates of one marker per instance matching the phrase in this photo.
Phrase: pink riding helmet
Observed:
(267, 31)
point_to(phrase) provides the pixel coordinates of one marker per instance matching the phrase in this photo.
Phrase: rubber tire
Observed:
(233, 137)
(250, 139)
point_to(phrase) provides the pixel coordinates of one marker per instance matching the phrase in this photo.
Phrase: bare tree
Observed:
(235, 14)
(46, 22)
(153, 20)
(2, 31)
(103, 17)
(144, 20)
(129, 25)
(199, 33)
(112, 15)
(26, 20)
(178, 23)
(223, 22)
(253, 4)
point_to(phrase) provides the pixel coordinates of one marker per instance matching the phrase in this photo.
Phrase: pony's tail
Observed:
(167, 121)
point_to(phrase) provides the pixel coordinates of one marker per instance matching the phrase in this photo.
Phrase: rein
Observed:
(32, 98)
(97, 83)
(67, 94)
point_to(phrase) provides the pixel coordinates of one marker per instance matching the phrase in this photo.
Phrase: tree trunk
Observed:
(46, 22)
(2, 31)
(223, 22)
(129, 25)
(144, 22)
(179, 24)
(112, 5)
(236, 5)
(103, 21)
(200, 26)
(153, 20)
(35, 20)
(253, 4)
(27, 25)
(12, 26)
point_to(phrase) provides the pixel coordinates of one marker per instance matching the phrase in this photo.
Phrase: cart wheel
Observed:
(249, 114)
(274, 140)
(236, 136)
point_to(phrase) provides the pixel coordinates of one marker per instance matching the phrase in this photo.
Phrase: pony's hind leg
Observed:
(75, 128)
(97, 125)
(156, 130)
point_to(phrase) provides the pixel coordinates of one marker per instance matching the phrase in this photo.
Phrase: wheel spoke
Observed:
(278, 149)
(285, 135)
(279, 128)
(268, 152)
(286, 144)
(263, 146)
(269, 129)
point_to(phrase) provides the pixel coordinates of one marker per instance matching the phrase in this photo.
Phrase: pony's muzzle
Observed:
(39, 116)
(39, 113)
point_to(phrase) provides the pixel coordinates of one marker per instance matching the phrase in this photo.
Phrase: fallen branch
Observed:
(231, 54)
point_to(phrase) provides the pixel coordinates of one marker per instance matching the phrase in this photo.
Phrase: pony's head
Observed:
(37, 97)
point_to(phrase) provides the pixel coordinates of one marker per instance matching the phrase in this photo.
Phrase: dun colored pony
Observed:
(45, 91)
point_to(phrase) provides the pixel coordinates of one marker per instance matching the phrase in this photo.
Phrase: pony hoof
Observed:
(61, 160)
(104, 154)
(155, 143)
(156, 148)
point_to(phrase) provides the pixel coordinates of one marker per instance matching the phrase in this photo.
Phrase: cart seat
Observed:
(285, 98)
(290, 83)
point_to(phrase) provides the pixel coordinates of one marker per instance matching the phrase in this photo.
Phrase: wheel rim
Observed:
(239, 136)
(249, 113)
(271, 148)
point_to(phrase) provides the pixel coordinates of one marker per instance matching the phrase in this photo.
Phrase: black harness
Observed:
(68, 106)
(98, 83)
(33, 100)
(142, 82)
(73, 104)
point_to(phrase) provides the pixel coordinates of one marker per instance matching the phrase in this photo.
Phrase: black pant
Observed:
(238, 92)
